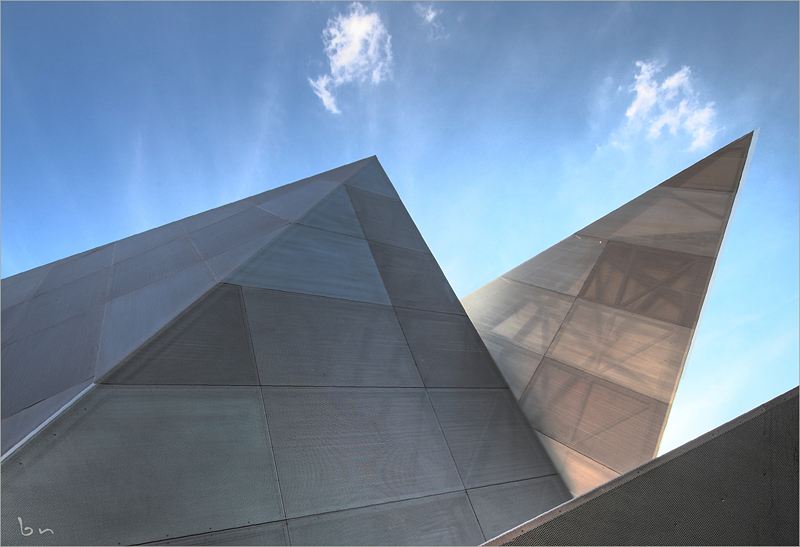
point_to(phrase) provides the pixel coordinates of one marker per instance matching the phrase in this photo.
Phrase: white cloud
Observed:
(429, 19)
(671, 104)
(359, 49)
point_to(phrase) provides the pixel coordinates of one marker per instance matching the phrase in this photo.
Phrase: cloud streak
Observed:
(359, 49)
(429, 19)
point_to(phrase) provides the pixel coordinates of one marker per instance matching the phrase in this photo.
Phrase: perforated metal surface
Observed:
(182, 460)
(580, 473)
(372, 177)
(206, 345)
(414, 279)
(273, 533)
(446, 519)
(306, 340)
(335, 213)
(341, 448)
(234, 230)
(489, 437)
(201, 220)
(386, 220)
(145, 241)
(293, 205)
(312, 261)
(228, 261)
(516, 364)
(18, 288)
(75, 267)
(152, 265)
(721, 171)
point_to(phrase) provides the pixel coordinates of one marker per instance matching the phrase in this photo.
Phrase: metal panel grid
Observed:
(181, 460)
(18, 288)
(206, 218)
(372, 177)
(228, 261)
(580, 473)
(206, 345)
(386, 220)
(639, 353)
(522, 314)
(720, 171)
(341, 448)
(335, 214)
(145, 241)
(77, 266)
(658, 283)
(234, 230)
(292, 205)
(445, 519)
(593, 416)
(312, 261)
(414, 279)
(272, 533)
(489, 437)
(306, 340)
(515, 363)
(563, 267)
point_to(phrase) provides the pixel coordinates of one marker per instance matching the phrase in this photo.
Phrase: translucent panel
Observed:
(273, 533)
(446, 519)
(72, 268)
(519, 313)
(132, 319)
(206, 345)
(316, 341)
(50, 361)
(636, 352)
(372, 177)
(563, 267)
(130, 465)
(17, 426)
(206, 218)
(501, 507)
(720, 171)
(336, 214)
(312, 261)
(386, 220)
(689, 221)
(292, 205)
(17, 288)
(614, 426)
(152, 265)
(662, 284)
(414, 279)
(489, 437)
(579, 473)
(234, 230)
(50, 308)
(228, 261)
(340, 448)
(515, 363)
(132, 246)
(448, 350)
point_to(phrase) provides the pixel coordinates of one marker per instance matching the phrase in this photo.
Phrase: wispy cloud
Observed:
(359, 49)
(671, 104)
(430, 19)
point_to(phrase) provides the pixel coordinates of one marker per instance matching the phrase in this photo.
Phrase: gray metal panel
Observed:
(501, 507)
(306, 340)
(59, 304)
(639, 353)
(580, 473)
(206, 218)
(414, 279)
(206, 345)
(130, 465)
(145, 241)
(563, 267)
(372, 177)
(489, 437)
(386, 220)
(234, 230)
(228, 261)
(522, 314)
(662, 284)
(17, 426)
(445, 519)
(448, 350)
(689, 221)
(273, 533)
(152, 265)
(336, 214)
(515, 363)
(9, 317)
(77, 266)
(312, 261)
(720, 171)
(18, 288)
(131, 319)
(340, 448)
(594, 416)
(293, 205)
(50, 361)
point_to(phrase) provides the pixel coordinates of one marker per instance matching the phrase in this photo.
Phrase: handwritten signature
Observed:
(22, 529)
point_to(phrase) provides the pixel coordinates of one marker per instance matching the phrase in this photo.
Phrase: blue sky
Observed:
(504, 126)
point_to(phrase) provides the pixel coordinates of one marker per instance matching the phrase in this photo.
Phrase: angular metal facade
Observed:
(592, 334)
